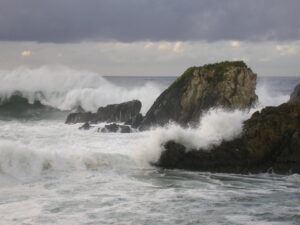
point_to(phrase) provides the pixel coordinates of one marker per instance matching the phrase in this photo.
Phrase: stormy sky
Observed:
(150, 37)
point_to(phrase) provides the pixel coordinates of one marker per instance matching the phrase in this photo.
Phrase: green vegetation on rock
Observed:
(218, 70)
(186, 74)
(224, 66)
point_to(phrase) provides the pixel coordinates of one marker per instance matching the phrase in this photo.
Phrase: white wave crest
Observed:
(65, 88)
(215, 125)
(269, 97)
(19, 161)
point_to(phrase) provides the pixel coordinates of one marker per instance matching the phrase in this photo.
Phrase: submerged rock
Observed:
(85, 126)
(111, 113)
(113, 128)
(228, 84)
(295, 94)
(18, 106)
(270, 142)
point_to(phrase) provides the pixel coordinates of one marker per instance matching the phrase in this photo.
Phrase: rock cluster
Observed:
(227, 84)
(111, 113)
(114, 128)
(85, 126)
(270, 142)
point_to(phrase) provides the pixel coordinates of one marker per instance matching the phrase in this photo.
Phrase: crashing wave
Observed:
(66, 89)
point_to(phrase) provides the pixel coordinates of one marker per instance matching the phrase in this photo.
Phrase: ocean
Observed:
(53, 173)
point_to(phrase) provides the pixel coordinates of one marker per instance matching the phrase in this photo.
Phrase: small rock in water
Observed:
(85, 126)
(113, 128)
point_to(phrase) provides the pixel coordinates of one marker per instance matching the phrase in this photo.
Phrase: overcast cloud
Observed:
(64, 21)
(150, 37)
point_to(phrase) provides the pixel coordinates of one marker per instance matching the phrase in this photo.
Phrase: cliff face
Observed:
(295, 94)
(270, 142)
(228, 84)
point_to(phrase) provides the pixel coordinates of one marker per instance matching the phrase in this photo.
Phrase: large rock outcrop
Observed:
(295, 94)
(111, 113)
(227, 84)
(270, 142)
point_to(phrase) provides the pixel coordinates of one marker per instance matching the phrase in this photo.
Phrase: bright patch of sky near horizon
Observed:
(163, 58)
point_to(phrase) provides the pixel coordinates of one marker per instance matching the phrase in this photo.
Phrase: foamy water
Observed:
(52, 173)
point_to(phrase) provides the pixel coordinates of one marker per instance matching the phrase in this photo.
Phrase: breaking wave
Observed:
(48, 89)
(20, 161)
(215, 126)
(65, 89)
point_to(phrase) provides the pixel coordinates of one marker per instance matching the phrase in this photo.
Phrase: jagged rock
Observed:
(136, 121)
(113, 128)
(295, 94)
(270, 142)
(228, 84)
(111, 113)
(118, 112)
(85, 126)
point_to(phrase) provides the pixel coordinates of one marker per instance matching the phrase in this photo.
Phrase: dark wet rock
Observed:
(270, 142)
(111, 113)
(226, 158)
(295, 94)
(85, 126)
(113, 128)
(18, 106)
(118, 112)
(229, 85)
(135, 121)
(81, 117)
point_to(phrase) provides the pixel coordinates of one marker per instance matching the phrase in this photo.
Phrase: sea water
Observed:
(53, 173)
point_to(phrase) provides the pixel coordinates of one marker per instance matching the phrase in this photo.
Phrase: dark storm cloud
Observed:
(138, 20)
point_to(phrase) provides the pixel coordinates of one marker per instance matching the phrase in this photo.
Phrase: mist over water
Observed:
(53, 173)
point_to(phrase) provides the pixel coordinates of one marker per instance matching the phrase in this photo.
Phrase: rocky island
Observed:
(227, 84)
